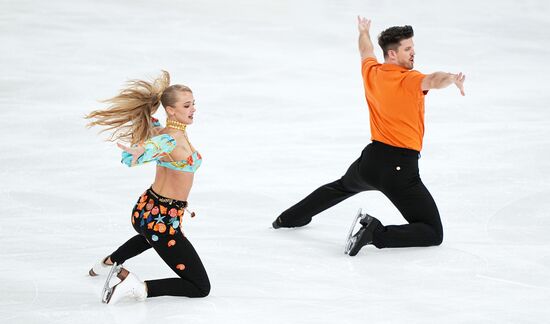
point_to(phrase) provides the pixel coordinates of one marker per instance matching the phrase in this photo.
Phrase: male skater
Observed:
(395, 96)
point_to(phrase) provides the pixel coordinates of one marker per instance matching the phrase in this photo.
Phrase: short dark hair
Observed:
(390, 38)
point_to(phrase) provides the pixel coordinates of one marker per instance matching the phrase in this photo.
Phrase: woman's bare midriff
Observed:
(173, 184)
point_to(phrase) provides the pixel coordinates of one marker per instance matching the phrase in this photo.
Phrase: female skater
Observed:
(157, 215)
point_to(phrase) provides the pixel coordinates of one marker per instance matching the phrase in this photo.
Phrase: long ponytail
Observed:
(129, 113)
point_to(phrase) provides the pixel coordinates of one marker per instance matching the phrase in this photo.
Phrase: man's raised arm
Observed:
(439, 80)
(365, 45)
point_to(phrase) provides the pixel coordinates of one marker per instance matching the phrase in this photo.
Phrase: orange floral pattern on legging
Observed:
(162, 219)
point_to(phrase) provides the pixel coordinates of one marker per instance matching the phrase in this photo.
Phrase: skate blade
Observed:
(107, 292)
(349, 241)
(350, 244)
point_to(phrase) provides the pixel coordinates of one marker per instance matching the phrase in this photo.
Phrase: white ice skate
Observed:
(100, 268)
(129, 288)
(350, 240)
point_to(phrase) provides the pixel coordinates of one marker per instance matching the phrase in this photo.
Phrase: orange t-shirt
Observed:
(396, 103)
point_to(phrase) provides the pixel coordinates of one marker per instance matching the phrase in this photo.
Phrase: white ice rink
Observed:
(280, 111)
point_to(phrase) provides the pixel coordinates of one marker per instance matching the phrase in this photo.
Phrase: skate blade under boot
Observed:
(107, 292)
(350, 238)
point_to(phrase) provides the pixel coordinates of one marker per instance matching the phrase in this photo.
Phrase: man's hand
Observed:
(135, 151)
(363, 24)
(459, 82)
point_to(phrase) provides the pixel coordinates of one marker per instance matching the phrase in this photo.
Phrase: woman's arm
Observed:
(151, 150)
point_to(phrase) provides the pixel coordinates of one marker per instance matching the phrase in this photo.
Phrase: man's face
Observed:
(405, 54)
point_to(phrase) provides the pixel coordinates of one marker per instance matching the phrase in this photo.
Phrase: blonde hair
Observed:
(129, 113)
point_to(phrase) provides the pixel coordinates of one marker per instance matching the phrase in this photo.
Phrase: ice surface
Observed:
(280, 112)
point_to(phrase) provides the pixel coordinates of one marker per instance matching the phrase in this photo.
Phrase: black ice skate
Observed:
(299, 223)
(363, 236)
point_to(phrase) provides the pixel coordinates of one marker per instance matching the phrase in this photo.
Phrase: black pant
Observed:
(394, 172)
(157, 220)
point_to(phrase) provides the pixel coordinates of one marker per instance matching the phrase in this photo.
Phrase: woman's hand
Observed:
(135, 151)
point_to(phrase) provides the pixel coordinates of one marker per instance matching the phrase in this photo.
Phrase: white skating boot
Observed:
(129, 288)
(100, 268)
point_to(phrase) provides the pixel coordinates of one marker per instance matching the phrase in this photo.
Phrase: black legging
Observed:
(157, 221)
(394, 172)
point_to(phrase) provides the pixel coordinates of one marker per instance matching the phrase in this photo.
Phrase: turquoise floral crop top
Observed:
(191, 164)
(159, 147)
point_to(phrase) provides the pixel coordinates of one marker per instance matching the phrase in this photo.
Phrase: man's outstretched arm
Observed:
(365, 45)
(439, 80)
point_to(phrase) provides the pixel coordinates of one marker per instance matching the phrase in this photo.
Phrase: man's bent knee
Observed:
(438, 238)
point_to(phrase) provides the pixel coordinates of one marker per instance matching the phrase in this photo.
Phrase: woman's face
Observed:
(183, 109)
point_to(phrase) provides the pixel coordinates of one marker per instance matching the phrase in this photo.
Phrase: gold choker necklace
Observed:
(175, 124)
